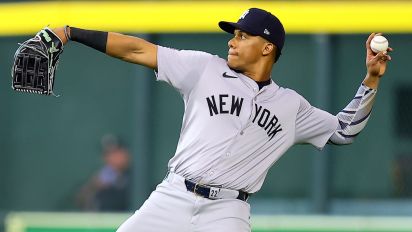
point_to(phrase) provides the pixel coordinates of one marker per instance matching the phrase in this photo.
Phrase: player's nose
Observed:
(231, 43)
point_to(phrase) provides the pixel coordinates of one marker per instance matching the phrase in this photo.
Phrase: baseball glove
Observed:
(35, 63)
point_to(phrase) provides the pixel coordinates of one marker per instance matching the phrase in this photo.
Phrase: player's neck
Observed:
(259, 73)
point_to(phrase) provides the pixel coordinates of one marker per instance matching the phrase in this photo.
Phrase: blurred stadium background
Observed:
(50, 146)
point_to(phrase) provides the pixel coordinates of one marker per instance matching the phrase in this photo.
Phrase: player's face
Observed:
(245, 50)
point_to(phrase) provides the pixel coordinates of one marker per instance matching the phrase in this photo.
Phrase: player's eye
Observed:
(243, 36)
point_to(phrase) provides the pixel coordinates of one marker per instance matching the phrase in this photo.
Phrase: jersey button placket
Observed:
(252, 107)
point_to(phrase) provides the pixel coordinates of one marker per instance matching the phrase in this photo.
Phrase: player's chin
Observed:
(232, 64)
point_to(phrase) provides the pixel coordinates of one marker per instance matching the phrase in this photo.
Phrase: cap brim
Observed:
(229, 27)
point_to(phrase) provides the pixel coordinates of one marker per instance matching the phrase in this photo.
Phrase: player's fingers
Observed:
(381, 56)
(390, 49)
(387, 56)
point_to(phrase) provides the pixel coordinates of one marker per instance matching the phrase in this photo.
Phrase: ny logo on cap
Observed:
(244, 14)
(266, 31)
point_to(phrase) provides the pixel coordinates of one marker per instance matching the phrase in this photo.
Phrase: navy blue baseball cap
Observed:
(259, 22)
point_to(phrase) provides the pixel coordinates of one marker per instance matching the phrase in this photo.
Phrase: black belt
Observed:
(204, 191)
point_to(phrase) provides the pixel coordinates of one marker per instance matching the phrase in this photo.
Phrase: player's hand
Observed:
(376, 63)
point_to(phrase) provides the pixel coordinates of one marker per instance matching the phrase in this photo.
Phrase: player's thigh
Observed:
(166, 209)
(226, 224)
(230, 215)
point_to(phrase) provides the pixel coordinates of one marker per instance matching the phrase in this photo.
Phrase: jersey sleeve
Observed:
(353, 118)
(181, 68)
(314, 125)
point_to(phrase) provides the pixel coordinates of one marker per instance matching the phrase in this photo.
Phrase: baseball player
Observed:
(237, 122)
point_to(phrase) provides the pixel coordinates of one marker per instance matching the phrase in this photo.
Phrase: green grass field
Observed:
(108, 222)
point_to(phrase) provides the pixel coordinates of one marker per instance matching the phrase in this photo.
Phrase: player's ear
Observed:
(268, 48)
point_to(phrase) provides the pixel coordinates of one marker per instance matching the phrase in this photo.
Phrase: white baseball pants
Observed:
(171, 208)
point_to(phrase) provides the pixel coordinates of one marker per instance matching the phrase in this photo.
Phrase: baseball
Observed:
(379, 43)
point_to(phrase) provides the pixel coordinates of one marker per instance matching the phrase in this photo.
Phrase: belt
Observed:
(214, 193)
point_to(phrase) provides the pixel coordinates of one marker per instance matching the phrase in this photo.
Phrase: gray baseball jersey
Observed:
(232, 132)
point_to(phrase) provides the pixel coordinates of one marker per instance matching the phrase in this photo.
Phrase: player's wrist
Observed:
(59, 32)
(67, 32)
(371, 81)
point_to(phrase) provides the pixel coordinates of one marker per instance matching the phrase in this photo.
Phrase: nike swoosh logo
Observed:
(228, 76)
